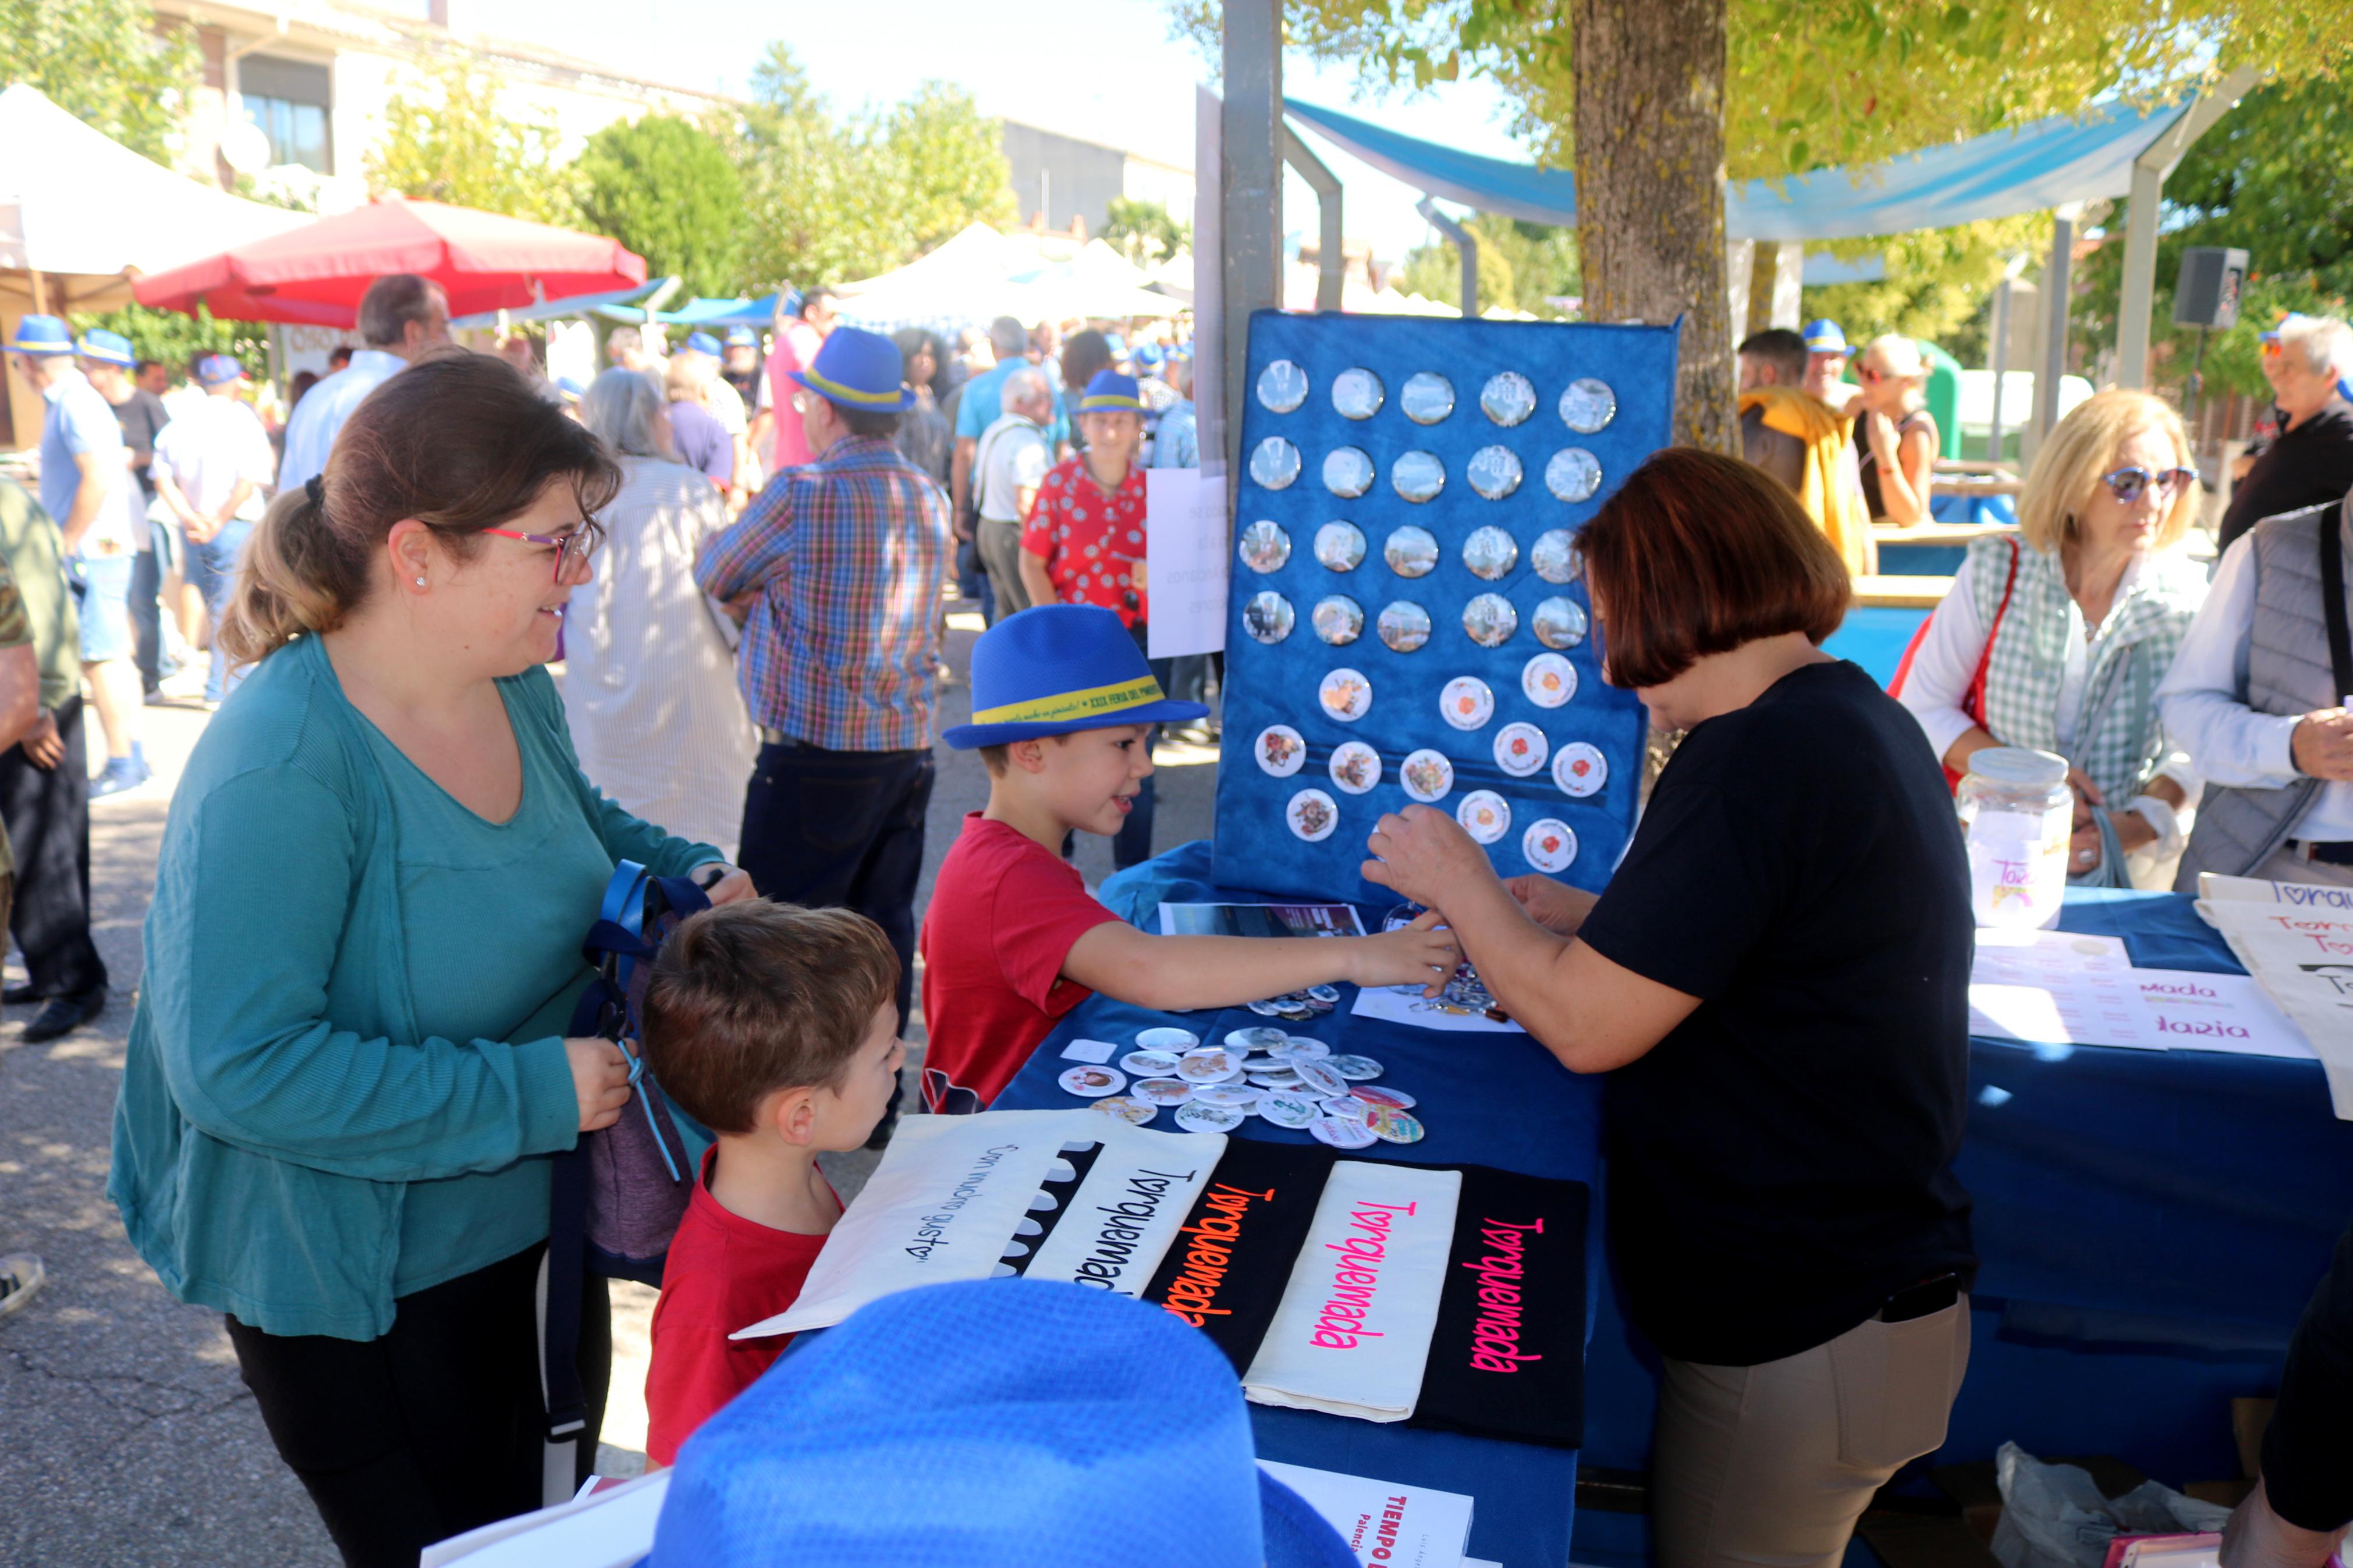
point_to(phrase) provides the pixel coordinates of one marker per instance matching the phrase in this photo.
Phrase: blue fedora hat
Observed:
(1111, 393)
(108, 348)
(1824, 337)
(703, 343)
(42, 336)
(858, 369)
(1053, 670)
(990, 1424)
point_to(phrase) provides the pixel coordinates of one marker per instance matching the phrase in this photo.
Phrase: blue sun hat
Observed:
(858, 369)
(1825, 337)
(703, 343)
(108, 348)
(219, 370)
(1053, 670)
(743, 337)
(1110, 392)
(988, 1424)
(42, 337)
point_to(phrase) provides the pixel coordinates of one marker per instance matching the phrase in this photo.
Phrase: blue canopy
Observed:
(722, 312)
(2031, 169)
(578, 305)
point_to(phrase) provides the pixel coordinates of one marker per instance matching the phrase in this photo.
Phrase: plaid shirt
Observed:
(848, 552)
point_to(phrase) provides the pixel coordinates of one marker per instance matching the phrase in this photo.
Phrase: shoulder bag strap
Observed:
(1973, 701)
(2332, 602)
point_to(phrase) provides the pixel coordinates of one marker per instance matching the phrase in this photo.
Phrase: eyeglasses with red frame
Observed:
(575, 546)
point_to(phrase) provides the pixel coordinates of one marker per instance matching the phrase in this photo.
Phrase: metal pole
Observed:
(2000, 365)
(2150, 170)
(1251, 186)
(1332, 268)
(2057, 283)
(1468, 246)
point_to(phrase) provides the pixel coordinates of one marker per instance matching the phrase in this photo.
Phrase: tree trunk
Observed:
(1649, 187)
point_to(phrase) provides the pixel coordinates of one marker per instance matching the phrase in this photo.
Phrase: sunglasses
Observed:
(2128, 485)
(575, 546)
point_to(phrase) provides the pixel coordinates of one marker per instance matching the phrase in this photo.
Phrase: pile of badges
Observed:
(1299, 1006)
(1289, 1080)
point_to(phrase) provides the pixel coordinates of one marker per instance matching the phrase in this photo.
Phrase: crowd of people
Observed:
(335, 1114)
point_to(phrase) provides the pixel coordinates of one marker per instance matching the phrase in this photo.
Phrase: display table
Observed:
(1490, 1100)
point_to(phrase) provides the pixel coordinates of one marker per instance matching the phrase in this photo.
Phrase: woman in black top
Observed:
(1776, 982)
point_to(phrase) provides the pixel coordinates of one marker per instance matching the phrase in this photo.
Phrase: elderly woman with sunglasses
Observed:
(349, 1066)
(2057, 639)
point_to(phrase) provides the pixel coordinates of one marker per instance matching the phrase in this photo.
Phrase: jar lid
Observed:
(2019, 766)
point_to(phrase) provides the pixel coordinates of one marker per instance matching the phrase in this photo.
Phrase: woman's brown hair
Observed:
(1698, 553)
(459, 441)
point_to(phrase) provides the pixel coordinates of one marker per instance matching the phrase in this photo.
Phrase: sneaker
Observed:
(20, 1277)
(120, 773)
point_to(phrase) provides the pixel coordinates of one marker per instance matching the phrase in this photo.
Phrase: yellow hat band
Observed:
(1096, 703)
(842, 394)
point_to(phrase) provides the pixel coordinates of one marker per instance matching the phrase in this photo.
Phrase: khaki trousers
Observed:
(1000, 553)
(1770, 1466)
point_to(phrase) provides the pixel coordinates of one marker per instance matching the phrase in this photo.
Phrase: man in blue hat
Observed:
(401, 316)
(739, 366)
(1826, 357)
(836, 569)
(213, 467)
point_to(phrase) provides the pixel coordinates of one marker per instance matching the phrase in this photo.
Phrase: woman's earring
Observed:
(420, 581)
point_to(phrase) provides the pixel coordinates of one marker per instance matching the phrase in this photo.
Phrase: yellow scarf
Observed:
(1829, 490)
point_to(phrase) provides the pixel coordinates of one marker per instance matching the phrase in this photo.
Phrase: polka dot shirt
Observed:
(1090, 539)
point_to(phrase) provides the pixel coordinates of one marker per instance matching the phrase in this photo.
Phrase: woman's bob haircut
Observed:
(1698, 553)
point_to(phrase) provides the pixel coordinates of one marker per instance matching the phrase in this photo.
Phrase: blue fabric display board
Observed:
(1382, 649)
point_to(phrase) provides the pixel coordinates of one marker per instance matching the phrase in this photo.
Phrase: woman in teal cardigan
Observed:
(348, 1065)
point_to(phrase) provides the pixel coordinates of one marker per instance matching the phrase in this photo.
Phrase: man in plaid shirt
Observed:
(836, 571)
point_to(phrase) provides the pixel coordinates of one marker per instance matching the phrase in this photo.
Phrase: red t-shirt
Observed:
(1004, 913)
(725, 1272)
(1090, 537)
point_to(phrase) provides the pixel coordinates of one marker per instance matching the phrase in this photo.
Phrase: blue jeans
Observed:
(210, 568)
(104, 589)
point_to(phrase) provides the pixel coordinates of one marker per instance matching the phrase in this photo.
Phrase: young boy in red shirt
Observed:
(1062, 700)
(776, 1027)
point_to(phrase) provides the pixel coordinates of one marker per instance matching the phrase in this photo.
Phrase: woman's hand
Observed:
(600, 1076)
(2081, 783)
(1560, 910)
(1879, 432)
(1421, 851)
(734, 887)
(1424, 953)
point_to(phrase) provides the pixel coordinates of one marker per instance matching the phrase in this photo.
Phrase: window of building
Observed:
(290, 101)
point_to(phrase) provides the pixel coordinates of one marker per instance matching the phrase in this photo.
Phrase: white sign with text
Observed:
(1185, 549)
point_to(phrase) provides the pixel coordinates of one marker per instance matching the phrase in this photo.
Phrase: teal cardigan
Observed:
(280, 1097)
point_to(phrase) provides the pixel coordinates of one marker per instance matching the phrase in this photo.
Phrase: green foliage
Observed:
(1144, 231)
(667, 190)
(446, 140)
(1938, 283)
(103, 62)
(169, 337)
(1520, 264)
(827, 198)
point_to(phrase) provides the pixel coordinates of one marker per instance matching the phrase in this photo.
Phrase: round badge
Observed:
(1275, 1077)
(1411, 551)
(1340, 546)
(1353, 1068)
(1556, 558)
(1241, 1096)
(1338, 620)
(1347, 472)
(1347, 1108)
(1340, 1134)
(1550, 845)
(1266, 1009)
(1297, 1049)
(1135, 1112)
(1195, 1117)
(1484, 816)
(1395, 1099)
(1268, 617)
(1521, 749)
(1580, 769)
(1587, 405)
(1312, 814)
(1274, 463)
(1355, 767)
(1281, 388)
(1320, 1078)
(1404, 626)
(1175, 1041)
(1164, 1090)
(1427, 775)
(1257, 1037)
(1559, 622)
(1428, 397)
(1210, 1064)
(1264, 546)
(1280, 751)
(1494, 471)
(1548, 681)
(1488, 620)
(1467, 702)
(1357, 393)
(1093, 1083)
(1285, 1109)
(1346, 695)
(1490, 553)
(1417, 475)
(1573, 475)
(1148, 1064)
(1327, 995)
(1390, 1126)
(1508, 398)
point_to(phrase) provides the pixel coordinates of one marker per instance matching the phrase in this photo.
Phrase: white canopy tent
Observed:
(81, 215)
(981, 274)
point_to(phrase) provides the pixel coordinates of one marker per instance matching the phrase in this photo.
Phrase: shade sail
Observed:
(562, 310)
(316, 274)
(2031, 169)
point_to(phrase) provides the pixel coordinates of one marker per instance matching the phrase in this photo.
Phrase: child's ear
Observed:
(1029, 756)
(791, 1114)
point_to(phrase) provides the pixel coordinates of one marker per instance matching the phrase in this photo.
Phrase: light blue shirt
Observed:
(1178, 443)
(983, 402)
(319, 417)
(78, 421)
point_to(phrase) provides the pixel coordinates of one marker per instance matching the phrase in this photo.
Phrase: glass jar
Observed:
(2016, 813)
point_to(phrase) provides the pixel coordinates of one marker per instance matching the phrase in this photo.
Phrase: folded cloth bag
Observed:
(1234, 1253)
(1353, 1332)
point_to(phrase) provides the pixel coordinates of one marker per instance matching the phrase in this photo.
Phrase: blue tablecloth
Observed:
(1490, 1100)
